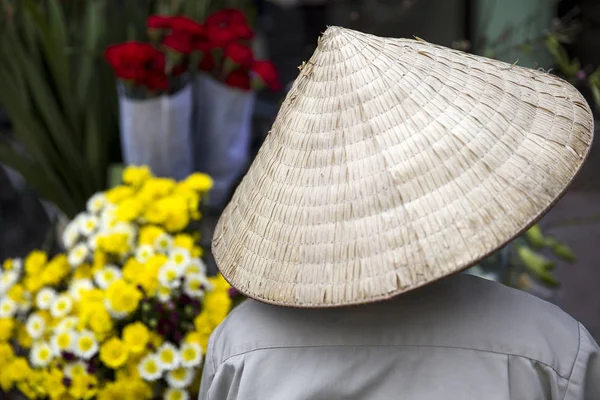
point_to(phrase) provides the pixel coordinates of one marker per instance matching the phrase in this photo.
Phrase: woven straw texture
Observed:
(393, 163)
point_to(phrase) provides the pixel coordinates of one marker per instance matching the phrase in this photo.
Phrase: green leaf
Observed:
(535, 237)
(53, 38)
(537, 265)
(91, 35)
(561, 250)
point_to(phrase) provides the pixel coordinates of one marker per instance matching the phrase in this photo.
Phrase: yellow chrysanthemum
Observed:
(197, 252)
(184, 241)
(129, 209)
(83, 386)
(53, 383)
(56, 270)
(6, 353)
(136, 175)
(112, 391)
(113, 353)
(123, 298)
(136, 337)
(118, 194)
(84, 271)
(138, 389)
(149, 233)
(33, 283)
(35, 262)
(100, 322)
(15, 370)
(199, 182)
(115, 243)
(23, 338)
(157, 187)
(217, 304)
(100, 260)
(7, 325)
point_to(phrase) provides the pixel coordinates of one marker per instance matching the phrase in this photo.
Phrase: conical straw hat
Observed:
(393, 163)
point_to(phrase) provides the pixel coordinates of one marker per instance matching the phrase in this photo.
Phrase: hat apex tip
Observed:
(330, 33)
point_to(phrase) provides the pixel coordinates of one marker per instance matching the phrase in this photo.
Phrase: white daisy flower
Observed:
(108, 219)
(63, 342)
(93, 240)
(106, 276)
(35, 326)
(163, 293)
(96, 203)
(45, 298)
(180, 378)
(169, 275)
(180, 257)
(168, 356)
(86, 345)
(78, 254)
(88, 224)
(40, 355)
(195, 285)
(176, 394)
(61, 306)
(70, 235)
(17, 265)
(196, 266)
(80, 286)
(77, 368)
(163, 243)
(8, 307)
(190, 354)
(143, 253)
(67, 323)
(149, 368)
(7, 280)
(126, 228)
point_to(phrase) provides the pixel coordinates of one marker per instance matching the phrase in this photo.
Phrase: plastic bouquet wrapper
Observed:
(126, 310)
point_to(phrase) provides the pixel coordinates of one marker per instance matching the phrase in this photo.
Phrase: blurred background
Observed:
(560, 37)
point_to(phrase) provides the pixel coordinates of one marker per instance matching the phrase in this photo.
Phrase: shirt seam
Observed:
(574, 362)
(395, 345)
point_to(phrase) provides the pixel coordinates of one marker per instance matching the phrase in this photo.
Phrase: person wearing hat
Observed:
(393, 165)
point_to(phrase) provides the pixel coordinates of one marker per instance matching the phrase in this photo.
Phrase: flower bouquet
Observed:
(155, 105)
(224, 97)
(126, 311)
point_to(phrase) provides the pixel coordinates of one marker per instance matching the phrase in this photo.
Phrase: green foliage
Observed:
(60, 94)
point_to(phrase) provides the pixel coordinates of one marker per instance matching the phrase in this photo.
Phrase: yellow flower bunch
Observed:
(126, 312)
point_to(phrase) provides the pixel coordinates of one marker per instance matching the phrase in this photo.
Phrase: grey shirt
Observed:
(460, 338)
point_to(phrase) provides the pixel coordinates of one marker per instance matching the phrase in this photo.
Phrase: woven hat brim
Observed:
(394, 163)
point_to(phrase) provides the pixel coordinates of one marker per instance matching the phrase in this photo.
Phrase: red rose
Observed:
(266, 72)
(131, 60)
(159, 22)
(240, 54)
(239, 79)
(138, 62)
(179, 42)
(227, 26)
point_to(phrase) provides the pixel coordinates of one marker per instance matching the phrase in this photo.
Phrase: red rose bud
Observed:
(239, 79)
(264, 74)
